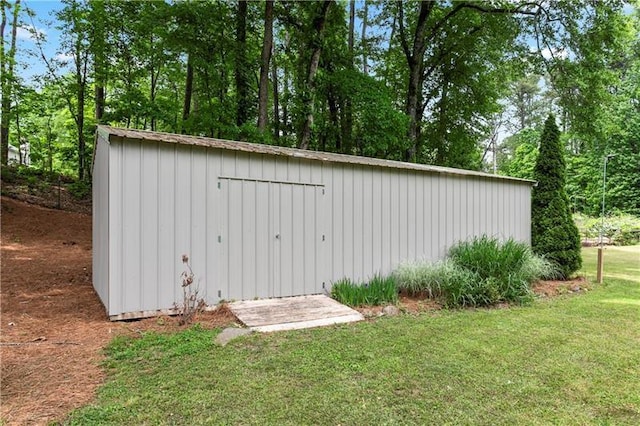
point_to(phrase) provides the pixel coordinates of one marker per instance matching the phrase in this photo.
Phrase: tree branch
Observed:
(403, 38)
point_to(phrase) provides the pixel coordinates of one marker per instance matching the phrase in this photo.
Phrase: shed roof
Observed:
(116, 133)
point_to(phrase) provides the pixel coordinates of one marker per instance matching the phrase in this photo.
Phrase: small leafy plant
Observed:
(191, 305)
(378, 291)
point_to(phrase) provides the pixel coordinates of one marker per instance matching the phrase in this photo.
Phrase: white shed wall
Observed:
(224, 209)
(100, 231)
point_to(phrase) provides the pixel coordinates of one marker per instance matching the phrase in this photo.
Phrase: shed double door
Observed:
(273, 238)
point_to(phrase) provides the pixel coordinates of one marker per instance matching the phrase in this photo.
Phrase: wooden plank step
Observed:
(292, 313)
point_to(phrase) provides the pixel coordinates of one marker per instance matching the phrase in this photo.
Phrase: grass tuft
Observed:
(420, 277)
(378, 291)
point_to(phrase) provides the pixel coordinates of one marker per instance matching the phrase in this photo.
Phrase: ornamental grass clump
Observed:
(421, 277)
(378, 291)
(504, 272)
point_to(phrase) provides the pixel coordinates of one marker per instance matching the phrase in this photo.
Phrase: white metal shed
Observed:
(261, 221)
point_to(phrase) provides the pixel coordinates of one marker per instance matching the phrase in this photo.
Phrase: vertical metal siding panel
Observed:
(508, 210)
(276, 217)
(214, 208)
(149, 227)
(442, 215)
(321, 272)
(222, 236)
(268, 167)
(262, 249)
(234, 239)
(403, 204)
(322, 201)
(377, 206)
(348, 231)
(305, 172)
(228, 163)
(477, 211)
(357, 223)
(242, 164)
(168, 275)
(368, 264)
(455, 213)
(282, 168)
(385, 216)
(465, 215)
(310, 238)
(297, 238)
(491, 209)
(116, 284)
(429, 231)
(247, 240)
(182, 212)
(337, 226)
(410, 227)
(199, 220)
(526, 213)
(131, 228)
(420, 215)
(453, 216)
(256, 166)
(100, 218)
(496, 208)
(395, 218)
(290, 258)
(500, 206)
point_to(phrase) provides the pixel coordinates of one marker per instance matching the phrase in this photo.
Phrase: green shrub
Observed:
(378, 291)
(430, 279)
(553, 232)
(80, 189)
(504, 272)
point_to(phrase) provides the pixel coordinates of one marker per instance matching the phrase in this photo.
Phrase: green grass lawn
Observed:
(574, 359)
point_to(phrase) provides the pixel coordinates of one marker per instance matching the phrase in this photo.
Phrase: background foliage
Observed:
(462, 84)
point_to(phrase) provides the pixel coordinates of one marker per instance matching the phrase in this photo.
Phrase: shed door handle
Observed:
(277, 236)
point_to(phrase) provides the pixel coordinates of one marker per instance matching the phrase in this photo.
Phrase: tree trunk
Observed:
(188, 91)
(263, 91)
(7, 80)
(19, 137)
(415, 59)
(285, 103)
(99, 58)
(344, 143)
(318, 28)
(81, 70)
(365, 19)
(242, 83)
(276, 98)
(334, 133)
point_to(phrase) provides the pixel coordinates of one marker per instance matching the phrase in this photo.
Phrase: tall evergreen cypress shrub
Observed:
(554, 234)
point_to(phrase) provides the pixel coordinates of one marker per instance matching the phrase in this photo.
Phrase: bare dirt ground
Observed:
(53, 326)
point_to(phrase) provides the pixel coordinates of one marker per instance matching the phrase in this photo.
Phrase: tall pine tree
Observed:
(554, 234)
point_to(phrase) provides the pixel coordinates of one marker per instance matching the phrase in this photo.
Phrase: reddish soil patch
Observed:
(556, 288)
(53, 326)
(420, 303)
